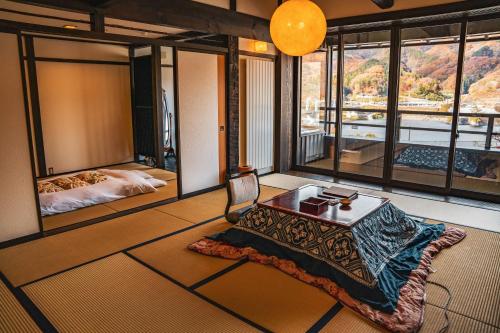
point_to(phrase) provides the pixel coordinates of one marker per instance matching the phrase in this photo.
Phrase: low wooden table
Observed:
(360, 207)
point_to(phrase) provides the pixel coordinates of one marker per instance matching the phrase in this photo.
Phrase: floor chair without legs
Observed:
(241, 188)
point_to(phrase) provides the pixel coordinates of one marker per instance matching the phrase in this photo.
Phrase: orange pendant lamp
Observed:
(298, 27)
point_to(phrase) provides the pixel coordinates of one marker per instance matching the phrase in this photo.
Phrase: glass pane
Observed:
(364, 109)
(428, 67)
(477, 157)
(313, 114)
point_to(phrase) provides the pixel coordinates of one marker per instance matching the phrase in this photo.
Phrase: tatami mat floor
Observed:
(134, 274)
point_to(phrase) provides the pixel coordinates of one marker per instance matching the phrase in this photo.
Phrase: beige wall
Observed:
(86, 115)
(198, 120)
(339, 8)
(18, 212)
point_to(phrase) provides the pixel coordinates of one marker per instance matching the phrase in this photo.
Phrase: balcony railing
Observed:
(489, 133)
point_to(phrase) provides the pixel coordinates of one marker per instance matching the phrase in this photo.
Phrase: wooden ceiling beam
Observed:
(184, 14)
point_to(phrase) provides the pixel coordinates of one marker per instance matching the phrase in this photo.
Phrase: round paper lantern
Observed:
(298, 27)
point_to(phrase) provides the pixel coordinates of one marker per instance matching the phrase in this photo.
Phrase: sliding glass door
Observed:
(364, 106)
(477, 155)
(419, 107)
(428, 68)
(313, 133)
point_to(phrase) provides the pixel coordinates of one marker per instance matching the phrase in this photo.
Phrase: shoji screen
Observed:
(260, 114)
(17, 199)
(198, 119)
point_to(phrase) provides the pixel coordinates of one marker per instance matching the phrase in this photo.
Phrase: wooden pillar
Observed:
(233, 104)
(283, 113)
(157, 105)
(97, 21)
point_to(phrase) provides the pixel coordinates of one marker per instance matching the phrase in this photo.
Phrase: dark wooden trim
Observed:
(99, 36)
(79, 170)
(12, 11)
(169, 66)
(29, 129)
(157, 106)
(296, 78)
(430, 11)
(456, 105)
(108, 217)
(131, 56)
(75, 39)
(277, 114)
(203, 191)
(339, 104)
(97, 21)
(233, 5)
(83, 61)
(392, 103)
(232, 106)
(175, 58)
(384, 4)
(212, 50)
(35, 106)
(176, 13)
(258, 55)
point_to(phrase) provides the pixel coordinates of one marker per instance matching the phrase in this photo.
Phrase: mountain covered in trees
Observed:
(427, 72)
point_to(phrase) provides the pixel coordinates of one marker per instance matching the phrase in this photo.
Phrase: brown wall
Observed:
(339, 8)
(85, 108)
(18, 212)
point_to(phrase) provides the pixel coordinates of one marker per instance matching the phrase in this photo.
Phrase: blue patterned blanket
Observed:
(371, 261)
(436, 158)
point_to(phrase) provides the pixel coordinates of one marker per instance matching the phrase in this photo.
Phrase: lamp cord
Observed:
(447, 325)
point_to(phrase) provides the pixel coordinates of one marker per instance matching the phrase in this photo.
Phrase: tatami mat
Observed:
(117, 294)
(171, 256)
(205, 206)
(162, 174)
(29, 261)
(13, 317)
(129, 166)
(471, 271)
(349, 321)
(80, 215)
(434, 320)
(269, 297)
(168, 191)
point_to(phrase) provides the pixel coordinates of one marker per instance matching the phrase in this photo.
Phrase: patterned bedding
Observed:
(71, 192)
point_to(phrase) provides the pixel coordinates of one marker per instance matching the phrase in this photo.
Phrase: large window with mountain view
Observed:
(364, 108)
(477, 153)
(442, 131)
(428, 68)
(313, 129)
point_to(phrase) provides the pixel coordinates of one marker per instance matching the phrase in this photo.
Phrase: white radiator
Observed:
(260, 114)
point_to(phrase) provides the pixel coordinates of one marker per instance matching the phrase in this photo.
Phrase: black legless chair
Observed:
(241, 188)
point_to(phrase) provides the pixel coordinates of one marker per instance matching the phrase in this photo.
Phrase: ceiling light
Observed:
(69, 26)
(298, 27)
